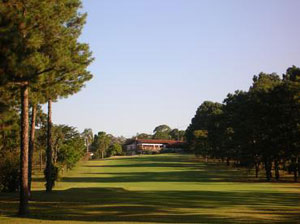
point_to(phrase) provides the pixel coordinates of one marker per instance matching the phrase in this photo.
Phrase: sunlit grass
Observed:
(161, 188)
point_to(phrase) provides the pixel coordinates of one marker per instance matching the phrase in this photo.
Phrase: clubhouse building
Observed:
(152, 145)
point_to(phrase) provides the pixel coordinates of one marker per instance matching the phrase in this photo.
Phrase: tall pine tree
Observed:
(36, 40)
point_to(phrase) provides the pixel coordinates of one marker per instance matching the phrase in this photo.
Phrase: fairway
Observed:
(166, 188)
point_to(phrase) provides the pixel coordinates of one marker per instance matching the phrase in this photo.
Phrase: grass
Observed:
(166, 188)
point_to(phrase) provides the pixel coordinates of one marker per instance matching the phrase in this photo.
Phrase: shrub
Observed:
(9, 172)
(114, 149)
(54, 175)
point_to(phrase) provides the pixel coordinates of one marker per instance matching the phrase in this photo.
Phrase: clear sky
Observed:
(156, 61)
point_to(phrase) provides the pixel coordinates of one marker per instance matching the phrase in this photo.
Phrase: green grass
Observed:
(159, 189)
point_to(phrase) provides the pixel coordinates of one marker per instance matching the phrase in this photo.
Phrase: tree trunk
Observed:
(295, 174)
(228, 161)
(283, 163)
(268, 170)
(295, 169)
(49, 165)
(54, 155)
(277, 175)
(41, 160)
(24, 196)
(256, 169)
(31, 147)
(87, 145)
(298, 163)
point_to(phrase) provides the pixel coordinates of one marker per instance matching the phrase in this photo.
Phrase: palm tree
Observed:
(88, 136)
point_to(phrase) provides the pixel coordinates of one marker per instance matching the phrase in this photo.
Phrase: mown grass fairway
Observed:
(160, 188)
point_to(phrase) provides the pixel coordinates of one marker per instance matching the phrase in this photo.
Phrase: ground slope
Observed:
(159, 189)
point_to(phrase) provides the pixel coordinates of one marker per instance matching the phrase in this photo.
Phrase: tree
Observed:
(162, 132)
(73, 73)
(114, 149)
(70, 84)
(36, 98)
(162, 128)
(9, 120)
(144, 136)
(177, 134)
(71, 146)
(100, 145)
(35, 111)
(261, 95)
(88, 136)
(25, 25)
(200, 143)
(9, 140)
(236, 128)
(39, 39)
(255, 128)
(205, 120)
(161, 135)
(291, 110)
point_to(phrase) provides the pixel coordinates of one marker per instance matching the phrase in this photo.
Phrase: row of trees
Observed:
(68, 145)
(164, 132)
(41, 61)
(258, 128)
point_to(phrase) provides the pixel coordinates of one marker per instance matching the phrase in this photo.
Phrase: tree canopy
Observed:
(256, 128)
(40, 54)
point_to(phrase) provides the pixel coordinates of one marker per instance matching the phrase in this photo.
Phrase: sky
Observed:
(156, 61)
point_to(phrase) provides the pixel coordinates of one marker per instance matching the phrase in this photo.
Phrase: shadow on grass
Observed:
(187, 175)
(173, 206)
(117, 204)
(157, 165)
(175, 176)
(181, 170)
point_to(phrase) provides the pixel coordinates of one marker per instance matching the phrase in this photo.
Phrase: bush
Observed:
(54, 175)
(9, 172)
(149, 152)
(71, 151)
(114, 149)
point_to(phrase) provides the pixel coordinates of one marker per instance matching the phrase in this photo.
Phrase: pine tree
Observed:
(72, 75)
(36, 98)
(34, 36)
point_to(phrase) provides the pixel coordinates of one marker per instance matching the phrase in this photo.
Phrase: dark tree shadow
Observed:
(117, 204)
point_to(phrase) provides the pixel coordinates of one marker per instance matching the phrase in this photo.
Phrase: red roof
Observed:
(158, 141)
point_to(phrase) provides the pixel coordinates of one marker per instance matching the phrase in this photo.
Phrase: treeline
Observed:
(41, 61)
(68, 147)
(258, 128)
(163, 132)
(103, 145)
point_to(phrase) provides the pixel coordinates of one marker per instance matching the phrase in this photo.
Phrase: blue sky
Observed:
(156, 61)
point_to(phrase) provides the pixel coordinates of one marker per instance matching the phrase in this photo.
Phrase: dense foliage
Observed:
(9, 172)
(106, 145)
(258, 128)
(41, 60)
(164, 132)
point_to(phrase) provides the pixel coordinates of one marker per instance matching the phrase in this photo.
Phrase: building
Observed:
(152, 145)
